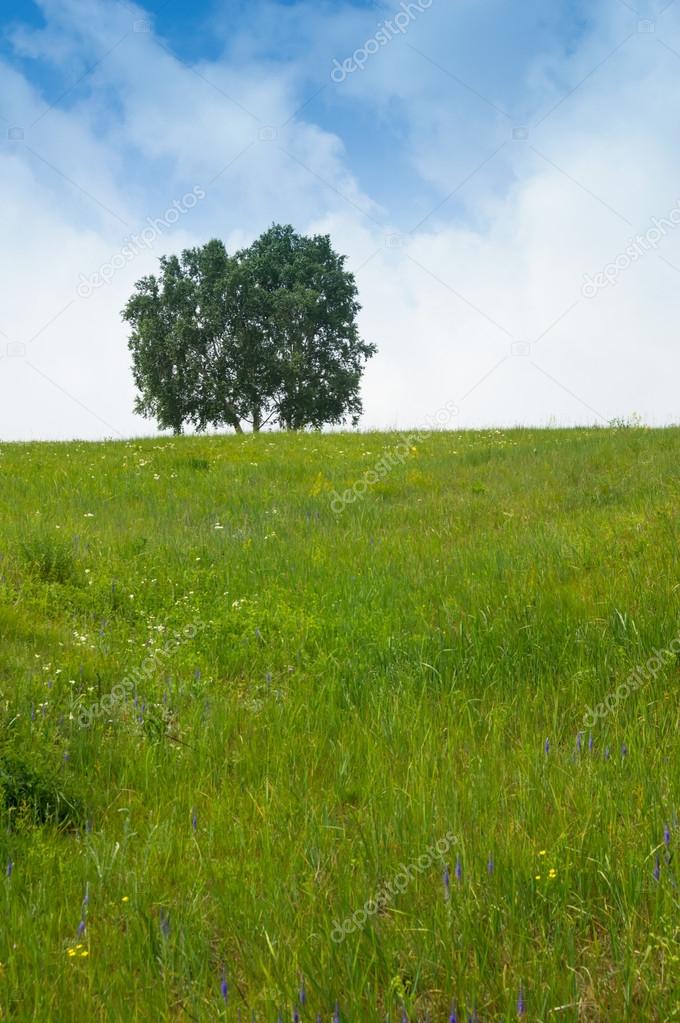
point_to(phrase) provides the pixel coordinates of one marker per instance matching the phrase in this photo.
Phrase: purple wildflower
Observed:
(336, 1013)
(453, 1018)
(546, 746)
(404, 1016)
(224, 987)
(521, 1007)
(490, 865)
(194, 820)
(590, 743)
(165, 923)
(606, 753)
(296, 1016)
(303, 993)
(666, 835)
(81, 928)
(10, 867)
(447, 881)
(459, 869)
(657, 868)
(624, 750)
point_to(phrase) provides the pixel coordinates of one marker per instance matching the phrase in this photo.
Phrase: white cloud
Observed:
(445, 309)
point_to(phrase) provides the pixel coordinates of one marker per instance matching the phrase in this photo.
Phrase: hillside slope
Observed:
(256, 738)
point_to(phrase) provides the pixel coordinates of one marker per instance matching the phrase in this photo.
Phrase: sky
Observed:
(502, 177)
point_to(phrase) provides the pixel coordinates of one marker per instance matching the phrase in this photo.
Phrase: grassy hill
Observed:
(254, 736)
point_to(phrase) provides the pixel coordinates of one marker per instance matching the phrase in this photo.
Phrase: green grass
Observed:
(359, 686)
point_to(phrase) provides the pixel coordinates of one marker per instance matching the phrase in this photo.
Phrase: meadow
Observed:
(353, 766)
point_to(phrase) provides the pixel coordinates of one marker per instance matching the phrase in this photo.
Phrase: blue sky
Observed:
(485, 163)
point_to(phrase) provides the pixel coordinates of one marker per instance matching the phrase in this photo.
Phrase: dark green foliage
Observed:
(268, 335)
(32, 789)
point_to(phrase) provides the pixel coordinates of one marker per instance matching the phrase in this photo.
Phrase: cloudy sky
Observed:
(503, 177)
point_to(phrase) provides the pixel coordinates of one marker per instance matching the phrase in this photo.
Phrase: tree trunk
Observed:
(257, 420)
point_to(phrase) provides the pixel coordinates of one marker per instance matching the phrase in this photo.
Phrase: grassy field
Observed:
(353, 754)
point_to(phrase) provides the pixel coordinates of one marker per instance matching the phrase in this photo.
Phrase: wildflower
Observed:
(224, 987)
(537, 877)
(165, 923)
(590, 742)
(546, 746)
(552, 873)
(302, 993)
(296, 1016)
(10, 867)
(459, 869)
(657, 868)
(447, 881)
(194, 820)
(336, 1014)
(541, 852)
(81, 928)
(666, 835)
(453, 1018)
(521, 1008)
(84, 953)
(624, 750)
(606, 753)
(490, 865)
(126, 898)
(404, 1016)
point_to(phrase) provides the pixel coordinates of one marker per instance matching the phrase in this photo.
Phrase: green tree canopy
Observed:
(268, 335)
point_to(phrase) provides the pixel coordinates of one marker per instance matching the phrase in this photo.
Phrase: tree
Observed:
(268, 335)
